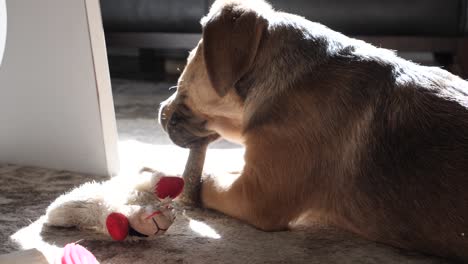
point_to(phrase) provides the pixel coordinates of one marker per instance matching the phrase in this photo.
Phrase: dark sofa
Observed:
(437, 26)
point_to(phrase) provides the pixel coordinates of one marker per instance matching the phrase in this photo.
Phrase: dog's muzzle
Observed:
(183, 128)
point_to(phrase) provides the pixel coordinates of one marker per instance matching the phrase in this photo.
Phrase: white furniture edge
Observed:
(103, 84)
(3, 28)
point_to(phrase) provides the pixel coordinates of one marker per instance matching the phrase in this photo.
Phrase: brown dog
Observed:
(332, 126)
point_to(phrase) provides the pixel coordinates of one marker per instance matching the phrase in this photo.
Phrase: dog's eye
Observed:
(184, 107)
(185, 110)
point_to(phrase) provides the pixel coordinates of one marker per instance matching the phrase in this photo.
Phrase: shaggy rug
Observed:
(197, 235)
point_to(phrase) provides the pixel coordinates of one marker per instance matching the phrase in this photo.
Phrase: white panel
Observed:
(3, 22)
(50, 112)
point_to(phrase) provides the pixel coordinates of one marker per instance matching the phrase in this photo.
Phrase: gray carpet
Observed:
(197, 236)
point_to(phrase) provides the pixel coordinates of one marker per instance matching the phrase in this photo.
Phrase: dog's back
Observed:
(414, 163)
(418, 152)
(410, 155)
(398, 133)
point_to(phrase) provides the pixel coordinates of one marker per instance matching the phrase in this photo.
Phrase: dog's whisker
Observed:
(79, 241)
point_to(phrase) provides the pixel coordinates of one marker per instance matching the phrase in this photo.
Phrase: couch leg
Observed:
(444, 59)
(461, 62)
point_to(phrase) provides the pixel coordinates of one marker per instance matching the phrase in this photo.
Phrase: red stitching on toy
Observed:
(156, 223)
(153, 214)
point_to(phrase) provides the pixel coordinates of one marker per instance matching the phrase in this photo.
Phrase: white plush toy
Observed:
(136, 208)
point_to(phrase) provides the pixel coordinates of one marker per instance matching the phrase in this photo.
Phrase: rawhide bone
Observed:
(192, 174)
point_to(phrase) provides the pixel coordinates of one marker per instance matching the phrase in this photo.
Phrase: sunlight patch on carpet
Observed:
(171, 159)
(30, 237)
(203, 229)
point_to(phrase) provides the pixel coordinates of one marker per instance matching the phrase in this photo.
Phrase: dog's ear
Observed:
(230, 42)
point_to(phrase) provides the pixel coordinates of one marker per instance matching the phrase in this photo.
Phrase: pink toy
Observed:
(76, 254)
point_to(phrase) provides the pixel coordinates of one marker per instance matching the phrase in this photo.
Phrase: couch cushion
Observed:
(353, 17)
(382, 17)
(153, 15)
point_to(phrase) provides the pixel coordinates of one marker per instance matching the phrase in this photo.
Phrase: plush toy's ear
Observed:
(230, 42)
(117, 226)
(169, 187)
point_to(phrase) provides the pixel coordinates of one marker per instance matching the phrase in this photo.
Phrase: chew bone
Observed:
(192, 175)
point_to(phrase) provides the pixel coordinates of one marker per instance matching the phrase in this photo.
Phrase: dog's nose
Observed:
(167, 120)
(162, 116)
(175, 119)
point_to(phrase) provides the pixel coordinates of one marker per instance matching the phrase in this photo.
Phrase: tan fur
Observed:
(333, 127)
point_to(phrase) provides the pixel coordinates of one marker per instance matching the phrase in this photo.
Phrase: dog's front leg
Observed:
(243, 197)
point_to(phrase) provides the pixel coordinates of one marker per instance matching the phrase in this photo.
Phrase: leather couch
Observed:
(356, 17)
(438, 26)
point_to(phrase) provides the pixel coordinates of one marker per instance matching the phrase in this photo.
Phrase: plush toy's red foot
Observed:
(169, 187)
(117, 226)
(146, 224)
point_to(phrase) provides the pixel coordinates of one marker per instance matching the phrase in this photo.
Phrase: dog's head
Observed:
(209, 102)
